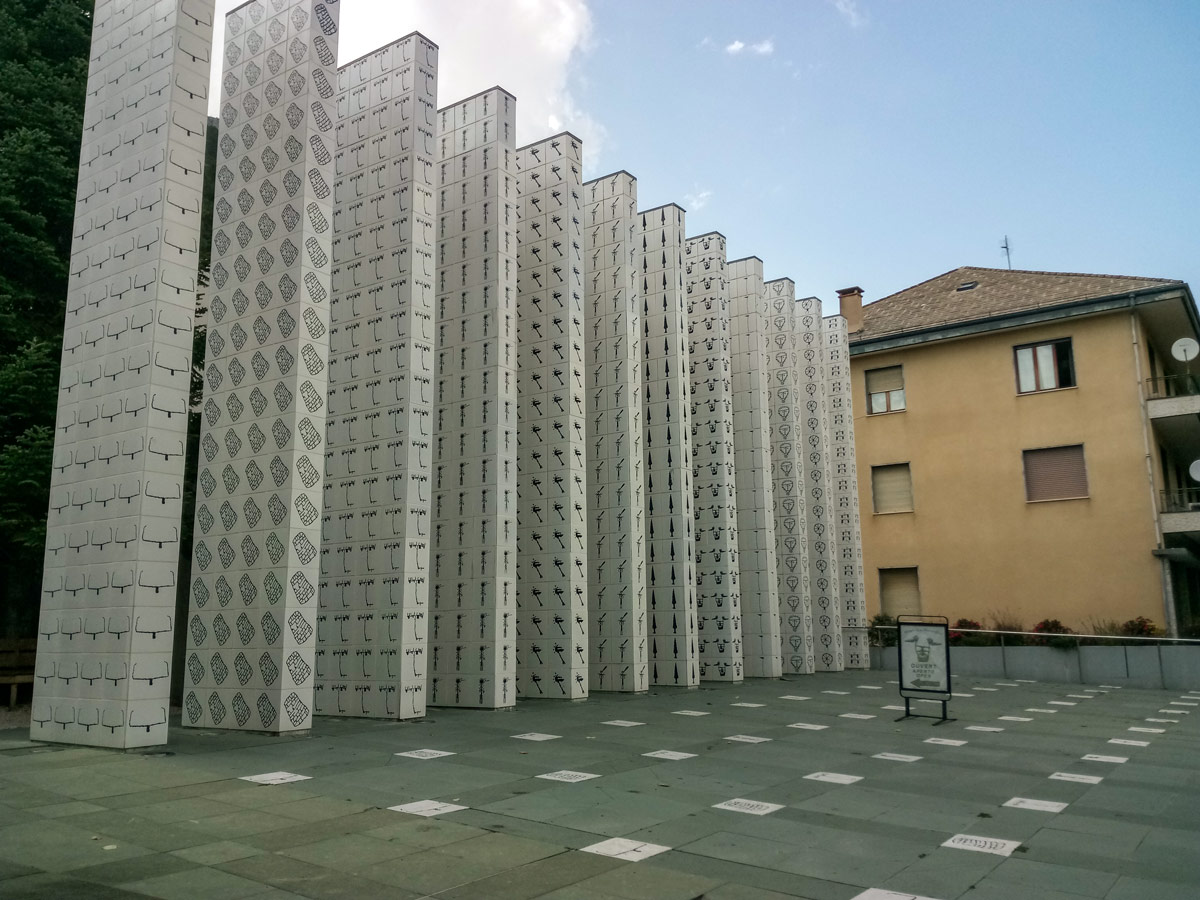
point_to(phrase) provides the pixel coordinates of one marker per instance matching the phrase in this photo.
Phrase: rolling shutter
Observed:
(1055, 473)
(899, 592)
(891, 488)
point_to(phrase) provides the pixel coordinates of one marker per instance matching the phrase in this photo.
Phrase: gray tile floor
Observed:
(182, 824)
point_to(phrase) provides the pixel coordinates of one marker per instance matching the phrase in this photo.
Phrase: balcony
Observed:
(1179, 510)
(1173, 395)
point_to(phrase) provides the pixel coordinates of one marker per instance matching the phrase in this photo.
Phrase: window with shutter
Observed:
(891, 488)
(885, 390)
(899, 592)
(1055, 473)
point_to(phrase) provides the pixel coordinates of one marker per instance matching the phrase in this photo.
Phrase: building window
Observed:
(891, 488)
(1044, 367)
(899, 592)
(1055, 473)
(885, 390)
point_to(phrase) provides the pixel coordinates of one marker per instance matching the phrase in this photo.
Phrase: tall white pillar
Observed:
(616, 477)
(758, 575)
(718, 598)
(473, 628)
(372, 647)
(671, 543)
(103, 670)
(552, 544)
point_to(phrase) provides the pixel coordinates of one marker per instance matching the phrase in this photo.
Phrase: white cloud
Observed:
(697, 200)
(528, 47)
(849, 10)
(763, 48)
(735, 48)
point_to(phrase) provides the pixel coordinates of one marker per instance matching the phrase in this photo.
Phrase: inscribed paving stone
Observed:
(669, 754)
(747, 739)
(1079, 779)
(426, 808)
(808, 726)
(689, 712)
(1037, 710)
(981, 844)
(793, 697)
(1004, 684)
(537, 736)
(838, 693)
(881, 894)
(1177, 712)
(1039, 805)
(425, 754)
(623, 848)
(894, 707)
(1060, 703)
(833, 777)
(856, 716)
(568, 776)
(963, 695)
(1014, 719)
(622, 723)
(897, 757)
(1125, 742)
(753, 807)
(752, 705)
(1096, 757)
(990, 690)
(275, 778)
(982, 728)
(1082, 696)
(945, 742)
(1140, 730)
(869, 687)
(1165, 721)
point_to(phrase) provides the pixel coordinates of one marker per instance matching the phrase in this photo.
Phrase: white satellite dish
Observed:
(1194, 470)
(1185, 349)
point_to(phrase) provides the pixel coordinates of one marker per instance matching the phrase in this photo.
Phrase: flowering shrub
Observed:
(1053, 627)
(883, 637)
(957, 638)
(1139, 627)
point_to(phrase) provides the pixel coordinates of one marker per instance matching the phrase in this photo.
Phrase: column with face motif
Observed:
(847, 531)
(714, 493)
(252, 623)
(552, 541)
(615, 477)
(372, 646)
(823, 569)
(103, 670)
(473, 625)
(758, 575)
(788, 482)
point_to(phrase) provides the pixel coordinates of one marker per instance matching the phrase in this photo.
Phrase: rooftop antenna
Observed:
(1007, 251)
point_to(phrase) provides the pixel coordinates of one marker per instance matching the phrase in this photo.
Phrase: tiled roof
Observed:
(939, 301)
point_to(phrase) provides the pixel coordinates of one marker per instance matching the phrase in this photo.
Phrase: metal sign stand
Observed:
(923, 657)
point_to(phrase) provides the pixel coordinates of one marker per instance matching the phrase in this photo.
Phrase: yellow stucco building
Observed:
(1023, 446)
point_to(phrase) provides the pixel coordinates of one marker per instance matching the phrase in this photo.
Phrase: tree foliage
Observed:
(44, 48)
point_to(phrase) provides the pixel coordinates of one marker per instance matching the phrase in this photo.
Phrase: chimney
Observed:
(850, 303)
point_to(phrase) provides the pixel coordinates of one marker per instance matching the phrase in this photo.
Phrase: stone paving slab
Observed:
(178, 822)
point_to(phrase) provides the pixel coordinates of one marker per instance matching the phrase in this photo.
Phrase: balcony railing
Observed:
(1162, 386)
(1179, 500)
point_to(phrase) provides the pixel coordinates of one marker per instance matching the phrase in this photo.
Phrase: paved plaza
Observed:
(770, 789)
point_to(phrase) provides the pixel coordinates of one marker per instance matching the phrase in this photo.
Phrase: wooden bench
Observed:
(16, 664)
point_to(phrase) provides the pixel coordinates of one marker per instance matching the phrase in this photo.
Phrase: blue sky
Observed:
(869, 142)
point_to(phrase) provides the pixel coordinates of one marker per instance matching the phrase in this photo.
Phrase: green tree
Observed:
(44, 48)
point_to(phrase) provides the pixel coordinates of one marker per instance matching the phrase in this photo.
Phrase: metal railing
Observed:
(884, 636)
(1162, 386)
(1179, 500)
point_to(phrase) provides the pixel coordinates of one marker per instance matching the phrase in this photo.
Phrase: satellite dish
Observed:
(1194, 470)
(1185, 350)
